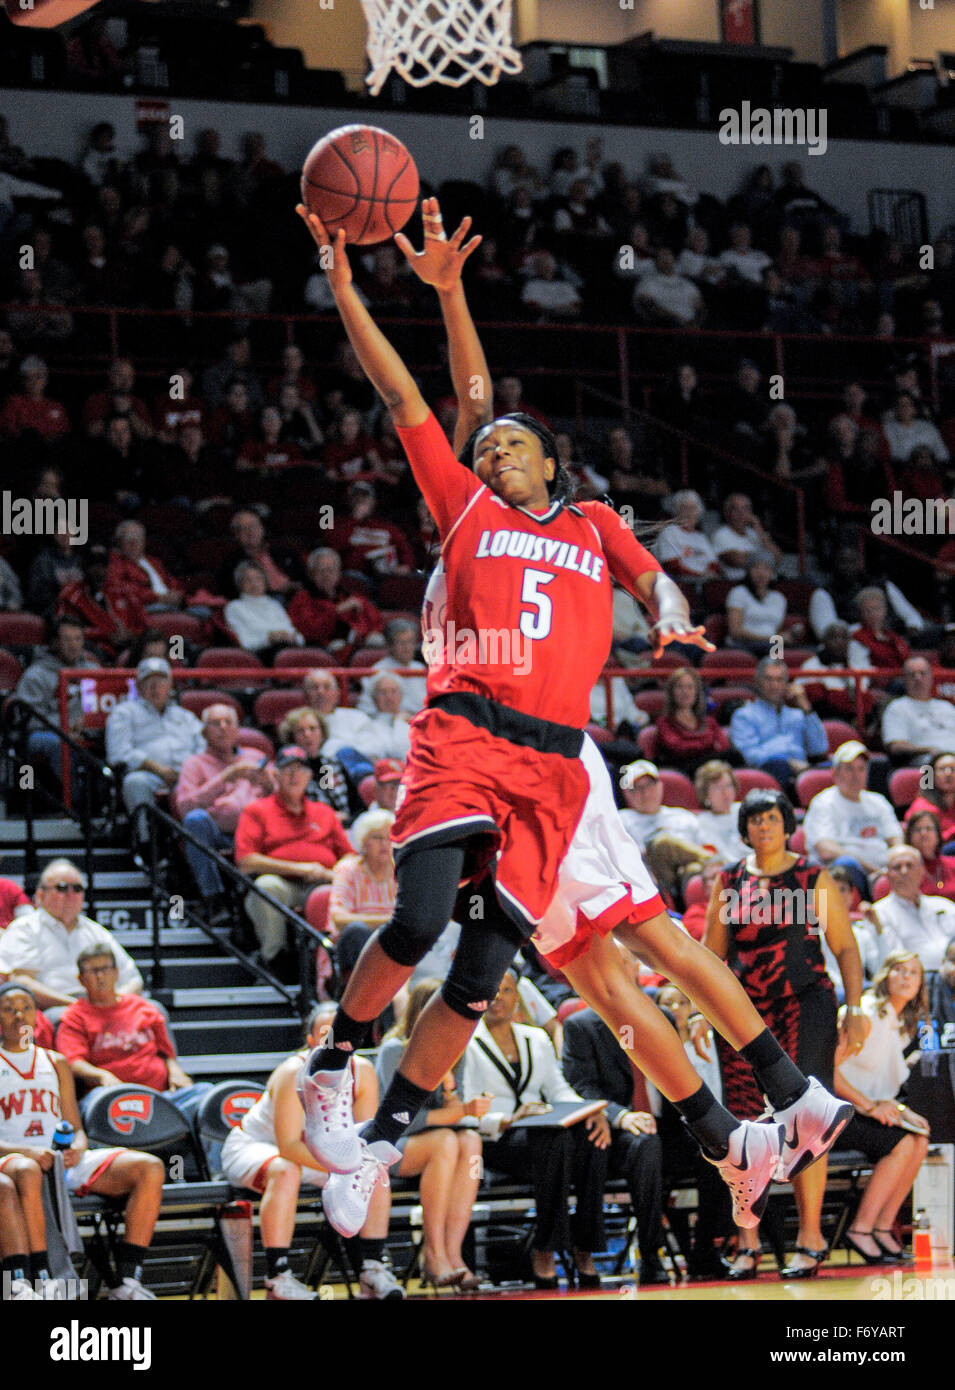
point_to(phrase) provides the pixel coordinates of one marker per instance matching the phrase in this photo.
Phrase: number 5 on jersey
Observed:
(537, 624)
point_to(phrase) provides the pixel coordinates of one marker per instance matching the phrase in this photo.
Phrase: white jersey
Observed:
(29, 1097)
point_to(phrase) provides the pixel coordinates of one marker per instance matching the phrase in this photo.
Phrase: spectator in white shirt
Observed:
(908, 920)
(666, 298)
(550, 297)
(668, 836)
(260, 623)
(915, 726)
(906, 430)
(740, 257)
(635, 260)
(355, 739)
(741, 536)
(389, 717)
(41, 946)
(849, 826)
(401, 639)
(717, 791)
(694, 261)
(681, 547)
(755, 611)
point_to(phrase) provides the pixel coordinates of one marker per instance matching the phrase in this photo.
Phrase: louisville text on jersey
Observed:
(525, 545)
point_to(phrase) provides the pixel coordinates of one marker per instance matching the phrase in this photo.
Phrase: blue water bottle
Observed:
(928, 1043)
(62, 1136)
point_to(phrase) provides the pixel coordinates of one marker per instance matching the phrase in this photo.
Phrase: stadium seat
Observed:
(303, 656)
(797, 841)
(254, 738)
(904, 786)
(21, 631)
(651, 701)
(678, 790)
(226, 658)
(715, 663)
(183, 625)
(811, 783)
(694, 891)
(367, 656)
(749, 777)
(838, 732)
(795, 657)
(366, 789)
(195, 701)
(599, 734)
(272, 706)
(647, 742)
(881, 888)
(222, 1110)
(724, 694)
(10, 671)
(316, 907)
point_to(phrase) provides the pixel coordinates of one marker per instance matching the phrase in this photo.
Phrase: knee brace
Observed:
(406, 939)
(485, 951)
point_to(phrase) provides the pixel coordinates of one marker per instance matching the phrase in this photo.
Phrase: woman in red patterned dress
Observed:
(765, 918)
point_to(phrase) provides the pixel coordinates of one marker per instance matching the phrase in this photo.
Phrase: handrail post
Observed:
(157, 973)
(624, 367)
(801, 529)
(65, 778)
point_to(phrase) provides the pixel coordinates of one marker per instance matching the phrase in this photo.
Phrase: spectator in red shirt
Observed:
(118, 400)
(268, 454)
(350, 452)
(884, 647)
(288, 845)
(111, 1038)
(31, 410)
(132, 571)
(686, 735)
(171, 413)
(367, 542)
(923, 830)
(13, 902)
(325, 613)
(939, 796)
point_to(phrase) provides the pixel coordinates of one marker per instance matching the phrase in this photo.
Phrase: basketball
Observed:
(361, 178)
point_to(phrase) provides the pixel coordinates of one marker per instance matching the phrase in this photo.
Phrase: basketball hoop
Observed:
(447, 41)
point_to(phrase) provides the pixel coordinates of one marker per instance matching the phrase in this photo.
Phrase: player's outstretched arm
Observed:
(670, 612)
(440, 264)
(380, 362)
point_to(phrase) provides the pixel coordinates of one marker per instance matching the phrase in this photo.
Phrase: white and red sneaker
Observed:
(812, 1125)
(347, 1196)
(329, 1131)
(749, 1168)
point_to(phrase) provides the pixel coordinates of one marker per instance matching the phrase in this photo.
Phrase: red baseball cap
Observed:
(389, 770)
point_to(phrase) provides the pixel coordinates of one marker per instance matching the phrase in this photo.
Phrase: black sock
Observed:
(777, 1075)
(710, 1124)
(344, 1037)
(130, 1260)
(17, 1266)
(369, 1249)
(399, 1105)
(276, 1259)
(39, 1264)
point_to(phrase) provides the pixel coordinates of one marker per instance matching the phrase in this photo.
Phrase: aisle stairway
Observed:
(224, 1022)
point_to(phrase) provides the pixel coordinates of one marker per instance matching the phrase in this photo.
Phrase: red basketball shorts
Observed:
(465, 779)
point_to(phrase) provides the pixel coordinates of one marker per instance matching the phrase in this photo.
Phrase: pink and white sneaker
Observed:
(812, 1125)
(329, 1131)
(749, 1168)
(347, 1196)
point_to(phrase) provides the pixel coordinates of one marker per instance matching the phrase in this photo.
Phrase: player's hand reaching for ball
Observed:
(336, 265)
(442, 259)
(666, 631)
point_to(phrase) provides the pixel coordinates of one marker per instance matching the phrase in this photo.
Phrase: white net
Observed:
(447, 41)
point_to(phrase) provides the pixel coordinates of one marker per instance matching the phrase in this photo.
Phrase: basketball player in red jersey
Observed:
(495, 775)
(603, 885)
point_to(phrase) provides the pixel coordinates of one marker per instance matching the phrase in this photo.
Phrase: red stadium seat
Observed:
(368, 656)
(749, 777)
(272, 706)
(904, 786)
(570, 1007)
(184, 625)
(316, 907)
(195, 701)
(838, 732)
(226, 658)
(599, 734)
(647, 743)
(812, 782)
(715, 663)
(795, 657)
(254, 738)
(10, 671)
(667, 661)
(21, 630)
(694, 891)
(366, 789)
(651, 701)
(678, 790)
(882, 888)
(797, 841)
(303, 656)
(722, 694)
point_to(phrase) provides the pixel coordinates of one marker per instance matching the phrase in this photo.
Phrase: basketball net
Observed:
(447, 41)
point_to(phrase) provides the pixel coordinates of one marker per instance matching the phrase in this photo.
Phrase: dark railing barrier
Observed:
(96, 780)
(165, 833)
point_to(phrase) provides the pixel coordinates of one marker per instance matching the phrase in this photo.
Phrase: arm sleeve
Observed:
(822, 612)
(164, 1043)
(627, 559)
(579, 1061)
(129, 975)
(893, 724)
(446, 484)
(901, 607)
(817, 741)
(18, 949)
(819, 823)
(745, 736)
(248, 834)
(342, 899)
(119, 738)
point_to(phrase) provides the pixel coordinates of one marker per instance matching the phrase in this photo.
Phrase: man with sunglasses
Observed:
(42, 947)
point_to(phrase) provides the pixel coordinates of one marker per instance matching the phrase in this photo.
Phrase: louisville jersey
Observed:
(29, 1097)
(519, 610)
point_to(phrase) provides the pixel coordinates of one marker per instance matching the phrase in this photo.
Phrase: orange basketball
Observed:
(361, 178)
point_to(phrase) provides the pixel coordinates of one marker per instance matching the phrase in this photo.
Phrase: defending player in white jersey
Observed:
(36, 1092)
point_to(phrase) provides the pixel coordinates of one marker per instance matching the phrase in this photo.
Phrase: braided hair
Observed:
(561, 488)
